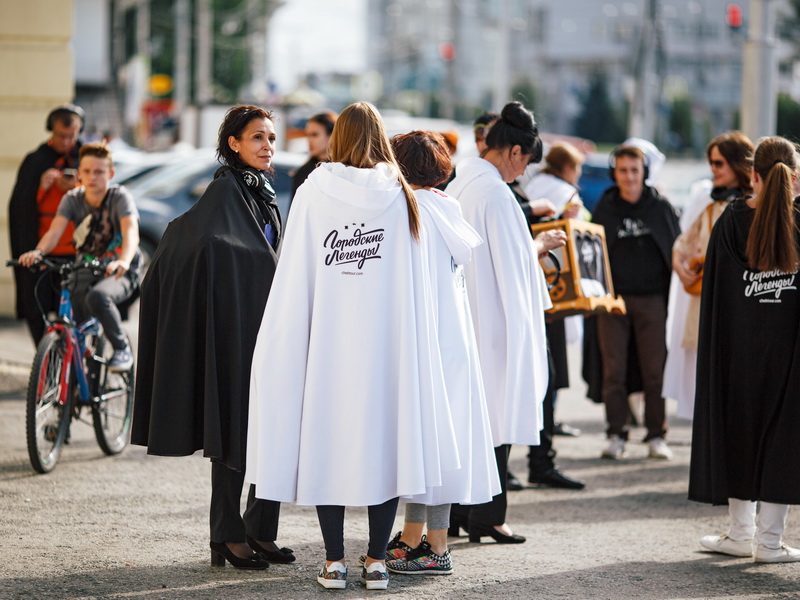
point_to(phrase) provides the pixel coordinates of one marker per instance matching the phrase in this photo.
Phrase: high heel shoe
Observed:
(456, 524)
(282, 555)
(220, 553)
(476, 531)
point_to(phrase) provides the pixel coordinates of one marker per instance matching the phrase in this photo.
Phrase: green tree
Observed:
(680, 123)
(524, 91)
(788, 117)
(599, 119)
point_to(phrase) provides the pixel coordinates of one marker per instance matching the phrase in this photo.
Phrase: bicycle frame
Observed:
(75, 336)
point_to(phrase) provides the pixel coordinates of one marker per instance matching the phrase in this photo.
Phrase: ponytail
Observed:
(772, 240)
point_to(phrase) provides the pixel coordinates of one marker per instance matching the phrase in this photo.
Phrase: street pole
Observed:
(647, 79)
(759, 110)
(502, 88)
(182, 47)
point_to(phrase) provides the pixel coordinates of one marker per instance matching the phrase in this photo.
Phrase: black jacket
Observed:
(202, 303)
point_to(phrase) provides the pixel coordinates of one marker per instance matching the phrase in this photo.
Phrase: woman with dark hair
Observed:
(746, 420)
(425, 161)
(508, 296)
(358, 374)
(730, 157)
(319, 128)
(202, 300)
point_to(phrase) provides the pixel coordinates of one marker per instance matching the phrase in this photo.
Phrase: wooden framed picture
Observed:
(585, 284)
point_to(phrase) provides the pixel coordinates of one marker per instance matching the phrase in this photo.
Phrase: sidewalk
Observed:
(136, 527)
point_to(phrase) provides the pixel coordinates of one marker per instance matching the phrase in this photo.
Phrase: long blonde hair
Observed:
(772, 241)
(359, 140)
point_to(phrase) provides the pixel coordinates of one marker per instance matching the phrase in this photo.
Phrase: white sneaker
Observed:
(333, 576)
(659, 449)
(777, 555)
(375, 576)
(725, 545)
(616, 448)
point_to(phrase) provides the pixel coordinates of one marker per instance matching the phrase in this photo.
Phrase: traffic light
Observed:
(733, 16)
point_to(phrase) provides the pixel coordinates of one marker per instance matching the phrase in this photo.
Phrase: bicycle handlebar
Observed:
(63, 267)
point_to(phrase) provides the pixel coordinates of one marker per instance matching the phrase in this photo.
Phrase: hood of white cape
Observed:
(469, 169)
(369, 191)
(445, 213)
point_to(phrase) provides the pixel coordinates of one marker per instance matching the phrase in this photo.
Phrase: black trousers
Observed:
(381, 519)
(260, 520)
(541, 458)
(493, 512)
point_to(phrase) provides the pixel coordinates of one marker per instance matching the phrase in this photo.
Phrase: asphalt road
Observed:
(135, 526)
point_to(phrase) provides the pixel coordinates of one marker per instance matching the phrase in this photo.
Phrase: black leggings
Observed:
(381, 519)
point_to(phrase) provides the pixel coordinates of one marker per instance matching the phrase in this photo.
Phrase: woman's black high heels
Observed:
(220, 553)
(282, 555)
(476, 531)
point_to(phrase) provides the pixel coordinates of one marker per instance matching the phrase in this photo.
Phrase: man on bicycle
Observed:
(106, 229)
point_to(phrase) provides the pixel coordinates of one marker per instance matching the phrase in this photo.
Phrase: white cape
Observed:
(681, 366)
(508, 296)
(450, 243)
(347, 398)
(555, 189)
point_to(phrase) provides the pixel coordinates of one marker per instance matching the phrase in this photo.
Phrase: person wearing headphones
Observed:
(44, 176)
(641, 226)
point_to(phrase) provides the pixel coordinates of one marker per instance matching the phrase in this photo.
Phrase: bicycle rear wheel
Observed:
(47, 421)
(112, 406)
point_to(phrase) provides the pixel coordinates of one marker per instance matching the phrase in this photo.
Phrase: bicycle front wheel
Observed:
(112, 408)
(47, 421)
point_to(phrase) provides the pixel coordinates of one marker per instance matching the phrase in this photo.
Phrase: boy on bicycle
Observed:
(106, 229)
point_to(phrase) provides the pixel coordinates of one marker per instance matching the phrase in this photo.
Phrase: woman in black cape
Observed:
(201, 306)
(745, 448)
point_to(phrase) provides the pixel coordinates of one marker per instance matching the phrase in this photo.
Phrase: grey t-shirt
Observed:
(74, 207)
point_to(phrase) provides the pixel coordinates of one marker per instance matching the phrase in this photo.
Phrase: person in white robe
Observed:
(508, 297)
(425, 161)
(730, 158)
(347, 400)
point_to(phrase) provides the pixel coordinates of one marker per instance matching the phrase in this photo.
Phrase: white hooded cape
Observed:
(346, 363)
(555, 189)
(681, 366)
(508, 297)
(450, 243)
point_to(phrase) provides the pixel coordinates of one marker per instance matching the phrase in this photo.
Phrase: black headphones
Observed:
(612, 161)
(258, 182)
(64, 110)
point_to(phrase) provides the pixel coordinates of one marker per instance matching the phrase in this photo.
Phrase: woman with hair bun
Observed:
(508, 297)
(746, 419)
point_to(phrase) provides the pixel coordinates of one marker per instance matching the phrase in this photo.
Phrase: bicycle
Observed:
(70, 372)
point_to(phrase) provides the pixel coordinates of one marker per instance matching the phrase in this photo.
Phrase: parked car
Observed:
(169, 191)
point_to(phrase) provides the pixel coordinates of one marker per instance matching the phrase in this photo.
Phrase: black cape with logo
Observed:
(746, 433)
(202, 303)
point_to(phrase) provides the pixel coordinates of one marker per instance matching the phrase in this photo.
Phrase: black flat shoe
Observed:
(513, 484)
(282, 555)
(476, 531)
(555, 478)
(220, 553)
